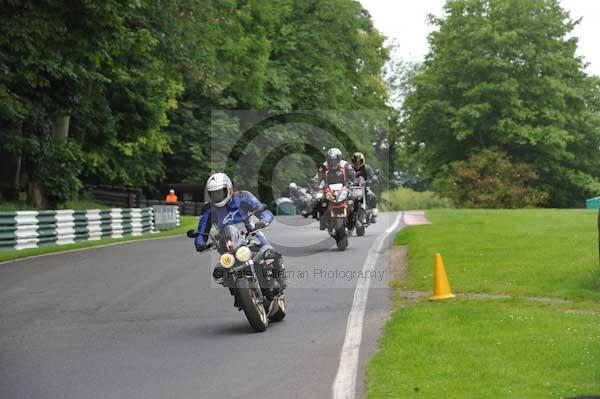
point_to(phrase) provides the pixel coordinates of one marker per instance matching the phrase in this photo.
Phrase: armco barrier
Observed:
(31, 229)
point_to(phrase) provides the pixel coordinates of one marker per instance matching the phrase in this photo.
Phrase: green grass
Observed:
(187, 223)
(520, 252)
(496, 348)
(487, 349)
(404, 199)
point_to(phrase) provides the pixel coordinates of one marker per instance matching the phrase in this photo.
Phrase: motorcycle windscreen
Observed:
(336, 187)
(229, 238)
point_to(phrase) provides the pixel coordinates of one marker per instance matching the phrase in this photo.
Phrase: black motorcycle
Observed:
(246, 269)
(303, 201)
(361, 214)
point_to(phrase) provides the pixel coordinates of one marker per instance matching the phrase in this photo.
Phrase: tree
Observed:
(126, 88)
(83, 76)
(504, 74)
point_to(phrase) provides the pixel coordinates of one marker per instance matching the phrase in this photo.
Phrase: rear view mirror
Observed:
(192, 233)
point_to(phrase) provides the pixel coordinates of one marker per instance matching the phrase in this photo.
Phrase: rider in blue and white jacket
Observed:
(229, 207)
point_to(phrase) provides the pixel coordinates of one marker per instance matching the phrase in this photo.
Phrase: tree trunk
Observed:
(17, 180)
(61, 125)
(37, 195)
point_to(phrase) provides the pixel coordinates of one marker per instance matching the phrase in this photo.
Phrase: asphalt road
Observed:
(143, 320)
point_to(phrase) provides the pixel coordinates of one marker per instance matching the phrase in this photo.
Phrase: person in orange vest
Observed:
(171, 198)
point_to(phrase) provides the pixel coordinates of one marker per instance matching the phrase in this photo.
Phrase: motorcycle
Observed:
(304, 202)
(361, 213)
(242, 268)
(336, 213)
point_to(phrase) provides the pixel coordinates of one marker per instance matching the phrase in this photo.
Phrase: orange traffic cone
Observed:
(441, 288)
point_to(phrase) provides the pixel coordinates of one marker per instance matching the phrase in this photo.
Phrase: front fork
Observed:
(247, 271)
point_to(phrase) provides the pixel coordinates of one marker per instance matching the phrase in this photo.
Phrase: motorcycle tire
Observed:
(360, 230)
(279, 313)
(341, 238)
(342, 244)
(255, 312)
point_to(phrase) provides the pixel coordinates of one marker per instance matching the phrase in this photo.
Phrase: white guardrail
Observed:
(31, 229)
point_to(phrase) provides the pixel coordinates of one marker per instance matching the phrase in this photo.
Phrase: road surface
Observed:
(142, 320)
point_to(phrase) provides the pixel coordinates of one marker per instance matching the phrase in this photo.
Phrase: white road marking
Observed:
(344, 385)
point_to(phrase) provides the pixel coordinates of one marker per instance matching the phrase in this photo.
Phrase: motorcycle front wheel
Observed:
(253, 308)
(360, 230)
(341, 238)
(278, 311)
(360, 227)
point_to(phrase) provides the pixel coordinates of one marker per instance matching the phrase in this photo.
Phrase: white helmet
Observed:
(220, 189)
(293, 186)
(334, 156)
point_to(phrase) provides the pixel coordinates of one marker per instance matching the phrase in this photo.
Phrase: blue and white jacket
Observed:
(242, 203)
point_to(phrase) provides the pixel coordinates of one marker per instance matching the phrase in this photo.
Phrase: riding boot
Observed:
(374, 214)
(323, 222)
(278, 269)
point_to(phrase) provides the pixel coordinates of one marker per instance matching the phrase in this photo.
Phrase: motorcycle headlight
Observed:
(319, 195)
(227, 260)
(343, 195)
(243, 254)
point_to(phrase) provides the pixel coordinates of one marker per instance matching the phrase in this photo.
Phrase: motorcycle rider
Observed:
(300, 198)
(294, 192)
(334, 170)
(365, 171)
(231, 207)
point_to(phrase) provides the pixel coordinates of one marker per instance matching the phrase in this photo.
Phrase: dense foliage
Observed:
(130, 85)
(488, 179)
(504, 74)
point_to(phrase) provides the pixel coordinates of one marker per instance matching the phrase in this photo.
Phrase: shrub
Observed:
(488, 179)
(403, 199)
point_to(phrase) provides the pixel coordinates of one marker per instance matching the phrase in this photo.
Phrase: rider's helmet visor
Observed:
(218, 195)
(333, 162)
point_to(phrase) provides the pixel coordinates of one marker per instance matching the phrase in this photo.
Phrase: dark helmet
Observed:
(358, 160)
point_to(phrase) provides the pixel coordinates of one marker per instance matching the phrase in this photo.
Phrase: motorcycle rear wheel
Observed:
(254, 311)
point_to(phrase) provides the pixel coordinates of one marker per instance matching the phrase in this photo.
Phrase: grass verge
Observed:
(187, 223)
(488, 347)
(518, 252)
